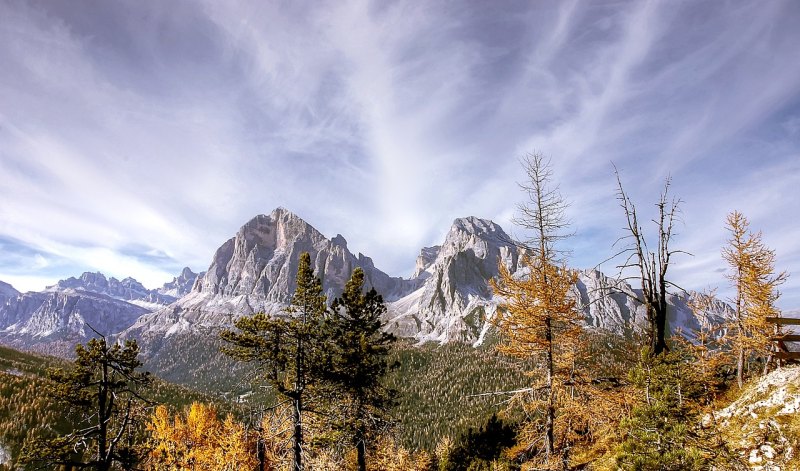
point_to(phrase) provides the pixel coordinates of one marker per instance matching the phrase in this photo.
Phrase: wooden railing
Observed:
(782, 351)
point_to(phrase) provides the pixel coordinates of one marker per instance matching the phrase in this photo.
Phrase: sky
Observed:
(137, 136)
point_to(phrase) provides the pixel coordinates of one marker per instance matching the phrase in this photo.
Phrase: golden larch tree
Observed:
(538, 318)
(755, 282)
(199, 440)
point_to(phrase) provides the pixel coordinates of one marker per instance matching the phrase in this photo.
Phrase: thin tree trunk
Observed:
(297, 407)
(297, 439)
(102, 420)
(551, 411)
(260, 450)
(740, 367)
(361, 447)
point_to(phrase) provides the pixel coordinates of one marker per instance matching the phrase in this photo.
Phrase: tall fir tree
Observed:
(287, 350)
(102, 392)
(358, 363)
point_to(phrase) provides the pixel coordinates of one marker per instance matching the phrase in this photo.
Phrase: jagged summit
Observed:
(7, 291)
(425, 259)
(54, 320)
(475, 225)
(181, 284)
(455, 302)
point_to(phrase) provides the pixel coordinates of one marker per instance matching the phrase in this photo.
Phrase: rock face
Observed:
(260, 262)
(425, 260)
(255, 271)
(455, 301)
(181, 285)
(7, 292)
(64, 314)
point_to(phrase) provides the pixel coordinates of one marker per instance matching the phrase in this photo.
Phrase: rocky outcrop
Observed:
(761, 424)
(7, 292)
(181, 285)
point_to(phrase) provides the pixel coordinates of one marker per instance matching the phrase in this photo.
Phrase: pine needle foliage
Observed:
(752, 274)
(286, 351)
(663, 431)
(537, 318)
(357, 364)
(101, 390)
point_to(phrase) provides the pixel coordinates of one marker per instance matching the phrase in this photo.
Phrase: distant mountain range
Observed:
(448, 297)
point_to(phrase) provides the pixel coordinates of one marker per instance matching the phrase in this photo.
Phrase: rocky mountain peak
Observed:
(425, 259)
(454, 301)
(180, 285)
(7, 291)
(476, 225)
(255, 270)
(468, 230)
(340, 241)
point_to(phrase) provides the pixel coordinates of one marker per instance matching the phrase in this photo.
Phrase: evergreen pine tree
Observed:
(663, 430)
(102, 392)
(358, 362)
(287, 350)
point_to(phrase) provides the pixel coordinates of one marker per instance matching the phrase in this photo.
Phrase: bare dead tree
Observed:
(652, 265)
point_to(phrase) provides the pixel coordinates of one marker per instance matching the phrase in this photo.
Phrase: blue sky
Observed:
(136, 137)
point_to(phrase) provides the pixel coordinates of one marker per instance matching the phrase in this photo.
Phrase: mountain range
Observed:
(447, 298)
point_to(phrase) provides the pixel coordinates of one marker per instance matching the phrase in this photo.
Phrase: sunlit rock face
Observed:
(455, 302)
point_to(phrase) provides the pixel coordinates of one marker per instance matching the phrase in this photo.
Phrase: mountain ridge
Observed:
(447, 298)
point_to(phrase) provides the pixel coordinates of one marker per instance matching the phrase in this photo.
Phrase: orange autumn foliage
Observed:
(197, 439)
